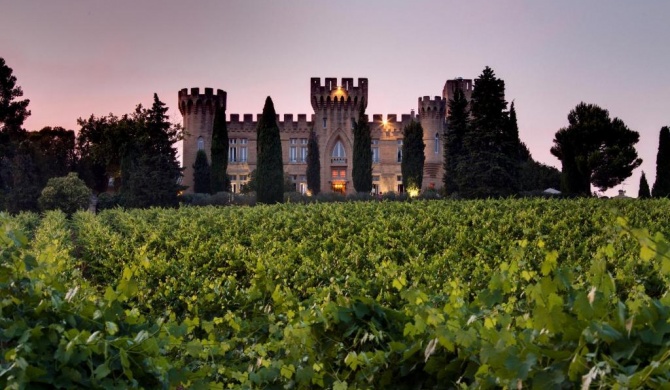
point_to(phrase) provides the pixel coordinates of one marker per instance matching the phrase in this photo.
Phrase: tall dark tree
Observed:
(413, 156)
(518, 149)
(313, 164)
(269, 168)
(13, 112)
(151, 179)
(457, 125)
(201, 174)
(489, 168)
(661, 187)
(643, 190)
(219, 175)
(594, 149)
(362, 164)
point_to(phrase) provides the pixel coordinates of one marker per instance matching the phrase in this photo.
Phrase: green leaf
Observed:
(111, 328)
(101, 371)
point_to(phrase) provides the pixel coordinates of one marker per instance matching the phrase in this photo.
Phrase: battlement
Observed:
(195, 102)
(248, 121)
(450, 87)
(435, 107)
(344, 96)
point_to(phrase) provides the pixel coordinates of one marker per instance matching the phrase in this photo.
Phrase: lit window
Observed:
(201, 143)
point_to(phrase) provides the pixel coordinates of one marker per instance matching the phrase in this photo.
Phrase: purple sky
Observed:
(77, 58)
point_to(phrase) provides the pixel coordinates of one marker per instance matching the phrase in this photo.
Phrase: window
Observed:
(243, 154)
(338, 173)
(243, 177)
(338, 156)
(232, 150)
(324, 122)
(233, 187)
(399, 178)
(243, 150)
(293, 154)
(437, 143)
(303, 150)
(399, 156)
(303, 188)
(375, 178)
(375, 150)
(201, 143)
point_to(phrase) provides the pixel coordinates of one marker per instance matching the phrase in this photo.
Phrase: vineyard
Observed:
(404, 295)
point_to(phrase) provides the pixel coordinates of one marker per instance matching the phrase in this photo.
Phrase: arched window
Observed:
(338, 150)
(437, 143)
(201, 143)
(338, 156)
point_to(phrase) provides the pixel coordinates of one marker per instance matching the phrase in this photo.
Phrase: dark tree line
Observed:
(483, 155)
(136, 150)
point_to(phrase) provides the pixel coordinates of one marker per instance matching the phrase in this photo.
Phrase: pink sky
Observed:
(76, 58)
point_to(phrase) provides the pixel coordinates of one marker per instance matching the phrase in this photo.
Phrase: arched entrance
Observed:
(338, 168)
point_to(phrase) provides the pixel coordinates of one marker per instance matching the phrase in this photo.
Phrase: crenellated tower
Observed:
(432, 114)
(198, 112)
(335, 107)
(451, 86)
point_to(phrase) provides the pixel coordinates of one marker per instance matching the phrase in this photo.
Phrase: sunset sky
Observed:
(77, 58)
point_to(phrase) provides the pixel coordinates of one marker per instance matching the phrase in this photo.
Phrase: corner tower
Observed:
(451, 86)
(432, 114)
(335, 106)
(198, 112)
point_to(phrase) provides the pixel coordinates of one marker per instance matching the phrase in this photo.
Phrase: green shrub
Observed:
(68, 194)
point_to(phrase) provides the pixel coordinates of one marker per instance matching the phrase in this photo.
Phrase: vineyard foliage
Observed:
(406, 295)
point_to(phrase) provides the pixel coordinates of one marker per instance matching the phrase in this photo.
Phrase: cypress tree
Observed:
(313, 164)
(218, 173)
(643, 191)
(270, 168)
(362, 169)
(201, 174)
(457, 126)
(413, 156)
(661, 187)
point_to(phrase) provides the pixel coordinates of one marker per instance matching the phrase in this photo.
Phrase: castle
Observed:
(335, 106)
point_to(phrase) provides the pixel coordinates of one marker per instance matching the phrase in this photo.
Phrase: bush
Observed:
(68, 194)
(394, 196)
(295, 197)
(360, 196)
(430, 194)
(107, 201)
(328, 197)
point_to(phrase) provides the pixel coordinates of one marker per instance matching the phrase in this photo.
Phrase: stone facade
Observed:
(335, 107)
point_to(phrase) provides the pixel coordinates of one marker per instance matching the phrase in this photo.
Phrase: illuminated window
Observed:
(201, 143)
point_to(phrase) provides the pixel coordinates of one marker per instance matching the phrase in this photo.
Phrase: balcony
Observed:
(338, 160)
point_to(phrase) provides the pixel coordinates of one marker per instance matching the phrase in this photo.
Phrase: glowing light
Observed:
(413, 192)
(384, 122)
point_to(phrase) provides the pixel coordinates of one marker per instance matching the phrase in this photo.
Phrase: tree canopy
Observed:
(458, 122)
(269, 167)
(68, 194)
(594, 149)
(13, 112)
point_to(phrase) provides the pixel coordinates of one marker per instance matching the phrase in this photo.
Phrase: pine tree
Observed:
(661, 187)
(201, 174)
(219, 175)
(594, 149)
(488, 167)
(149, 164)
(12, 112)
(643, 191)
(270, 168)
(362, 164)
(313, 164)
(457, 126)
(413, 156)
